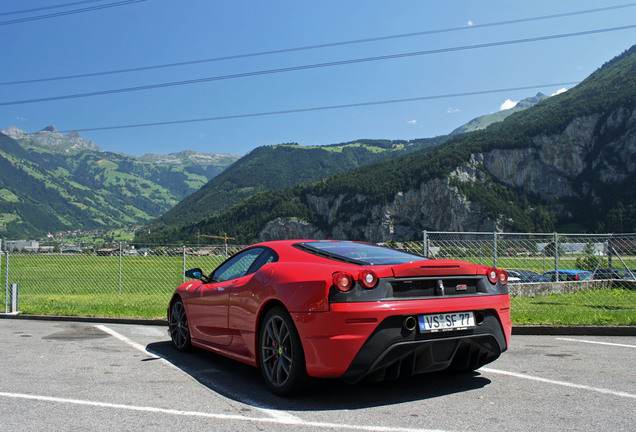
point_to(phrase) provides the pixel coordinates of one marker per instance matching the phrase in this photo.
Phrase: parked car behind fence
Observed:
(525, 276)
(614, 273)
(569, 275)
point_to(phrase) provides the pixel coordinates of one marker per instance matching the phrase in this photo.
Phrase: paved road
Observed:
(114, 377)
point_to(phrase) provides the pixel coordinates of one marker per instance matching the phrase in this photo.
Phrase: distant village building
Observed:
(22, 245)
(72, 249)
(107, 251)
(204, 251)
(597, 249)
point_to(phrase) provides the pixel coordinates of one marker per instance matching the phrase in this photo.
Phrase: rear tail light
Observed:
(496, 275)
(343, 281)
(368, 278)
(493, 276)
(503, 277)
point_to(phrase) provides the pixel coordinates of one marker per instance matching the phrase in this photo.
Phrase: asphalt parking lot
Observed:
(74, 376)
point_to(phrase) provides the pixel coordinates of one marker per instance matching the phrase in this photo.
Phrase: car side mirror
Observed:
(195, 273)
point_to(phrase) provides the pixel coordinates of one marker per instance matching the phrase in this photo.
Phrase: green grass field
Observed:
(89, 285)
(600, 307)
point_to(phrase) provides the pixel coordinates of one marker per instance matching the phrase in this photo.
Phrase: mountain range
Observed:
(567, 163)
(53, 182)
(561, 162)
(271, 168)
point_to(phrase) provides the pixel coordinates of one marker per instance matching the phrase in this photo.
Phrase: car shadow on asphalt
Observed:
(244, 384)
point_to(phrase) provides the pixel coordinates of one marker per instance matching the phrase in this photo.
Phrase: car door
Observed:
(209, 309)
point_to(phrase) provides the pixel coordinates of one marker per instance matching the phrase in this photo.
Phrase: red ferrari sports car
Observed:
(308, 308)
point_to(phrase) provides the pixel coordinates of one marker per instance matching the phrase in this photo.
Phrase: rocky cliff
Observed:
(50, 137)
(591, 154)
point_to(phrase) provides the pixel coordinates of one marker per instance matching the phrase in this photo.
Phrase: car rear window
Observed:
(358, 253)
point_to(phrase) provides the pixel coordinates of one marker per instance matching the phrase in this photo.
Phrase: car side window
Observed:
(266, 257)
(237, 266)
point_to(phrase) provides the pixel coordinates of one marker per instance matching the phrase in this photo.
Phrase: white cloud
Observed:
(22, 119)
(412, 122)
(559, 91)
(470, 23)
(452, 110)
(508, 104)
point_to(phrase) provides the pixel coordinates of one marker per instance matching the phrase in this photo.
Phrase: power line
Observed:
(322, 108)
(70, 12)
(325, 45)
(23, 11)
(314, 66)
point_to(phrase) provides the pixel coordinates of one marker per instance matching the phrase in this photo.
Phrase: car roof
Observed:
(569, 271)
(523, 272)
(288, 250)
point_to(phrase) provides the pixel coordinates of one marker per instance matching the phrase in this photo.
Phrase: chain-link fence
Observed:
(554, 278)
(120, 281)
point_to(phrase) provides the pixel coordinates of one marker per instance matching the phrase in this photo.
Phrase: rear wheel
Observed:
(178, 326)
(282, 359)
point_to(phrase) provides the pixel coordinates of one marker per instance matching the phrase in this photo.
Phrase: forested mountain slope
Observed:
(271, 168)
(482, 122)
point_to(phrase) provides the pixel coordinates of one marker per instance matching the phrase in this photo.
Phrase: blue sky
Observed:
(159, 32)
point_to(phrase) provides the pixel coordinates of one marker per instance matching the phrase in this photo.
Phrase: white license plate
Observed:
(446, 321)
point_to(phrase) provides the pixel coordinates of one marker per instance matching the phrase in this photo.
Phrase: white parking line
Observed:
(597, 342)
(124, 339)
(233, 417)
(280, 415)
(561, 383)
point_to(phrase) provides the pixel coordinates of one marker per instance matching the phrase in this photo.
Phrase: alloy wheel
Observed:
(178, 326)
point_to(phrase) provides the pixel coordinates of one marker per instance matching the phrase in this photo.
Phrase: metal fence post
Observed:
(184, 263)
(13, 303)
(425, 245)
(6, 283)
(556, 257)
(120, 253)
(494, 249)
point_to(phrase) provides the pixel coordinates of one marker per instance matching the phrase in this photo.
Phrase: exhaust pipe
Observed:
(479, 318)
(409, 323)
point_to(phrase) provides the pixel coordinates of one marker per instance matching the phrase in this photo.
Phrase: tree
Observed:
(588, 261)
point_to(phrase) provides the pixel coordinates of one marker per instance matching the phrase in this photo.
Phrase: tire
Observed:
(178, 326)
(282, 359)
